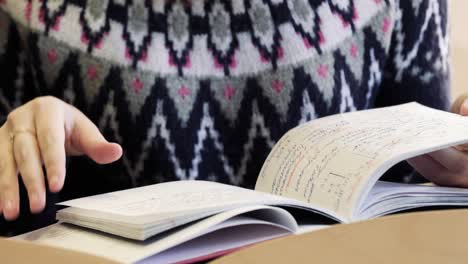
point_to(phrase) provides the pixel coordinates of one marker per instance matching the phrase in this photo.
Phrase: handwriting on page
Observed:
(329, 161)
(170, 198)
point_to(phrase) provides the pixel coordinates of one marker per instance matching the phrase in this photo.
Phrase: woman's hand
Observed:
(447, 167)
(45, 131)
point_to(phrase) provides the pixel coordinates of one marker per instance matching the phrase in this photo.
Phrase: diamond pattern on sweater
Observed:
(221, 40)
(137, 32)
(265, 34)
(178, 36)
(95, 23)
(353, 50)
(322, 72)
(306, 21)
(50, 13)
(93, 74)
(277, 87)
(183, 91)
(53, 57)
(137, 86)
(230, 95)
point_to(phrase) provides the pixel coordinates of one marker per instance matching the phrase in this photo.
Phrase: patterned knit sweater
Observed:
(203, 89)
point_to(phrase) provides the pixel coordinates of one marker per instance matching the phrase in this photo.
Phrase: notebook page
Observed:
(172, 198)
(332, 162)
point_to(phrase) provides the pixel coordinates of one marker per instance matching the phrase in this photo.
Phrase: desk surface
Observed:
(19, 252)
(428, 237)
(425, 237)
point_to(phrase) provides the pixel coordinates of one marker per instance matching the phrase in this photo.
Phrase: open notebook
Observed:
(328, 167)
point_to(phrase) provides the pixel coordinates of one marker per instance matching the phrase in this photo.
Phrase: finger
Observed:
(450, 158)
(26, 153)
(9, 190)
(433, 171)
(87, 139)
(460, 106)
(464, 108)
(28, 160)
(50, 129)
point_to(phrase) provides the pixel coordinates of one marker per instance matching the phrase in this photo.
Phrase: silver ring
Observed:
(13, 135)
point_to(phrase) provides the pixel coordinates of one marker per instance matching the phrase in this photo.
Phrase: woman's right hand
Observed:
(43, 132)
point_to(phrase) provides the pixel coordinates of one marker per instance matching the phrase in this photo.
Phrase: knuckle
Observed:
(29, 176)
(44, 102)
(444, 180)
(4, 185)
(3, 165)
(457, 180)
(13, 118)
(450, 179)
(50, 162)
(55, 171)
(464, 166)
(460, 164)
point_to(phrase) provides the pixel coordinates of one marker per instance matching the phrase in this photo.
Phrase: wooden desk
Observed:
(427, 237)
(19, 252)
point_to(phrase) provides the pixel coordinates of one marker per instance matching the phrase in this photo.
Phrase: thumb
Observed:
(103, 152)
(460, 106)
(464, 108)
(86, 139)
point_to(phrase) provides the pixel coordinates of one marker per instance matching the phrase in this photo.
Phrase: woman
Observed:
(197, 89)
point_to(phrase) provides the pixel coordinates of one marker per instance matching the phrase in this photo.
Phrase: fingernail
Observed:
(465, 104)
(34, 198)
(53, 182)
(38, 197)
(8, 205)
(10, 209)
(36, 203)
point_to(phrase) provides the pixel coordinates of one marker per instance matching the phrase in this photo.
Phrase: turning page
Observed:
(334, 161)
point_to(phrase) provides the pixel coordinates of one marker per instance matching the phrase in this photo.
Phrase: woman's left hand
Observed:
(448, 167)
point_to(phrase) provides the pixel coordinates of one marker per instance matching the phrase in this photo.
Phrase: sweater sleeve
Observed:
(418, 66)
(16, 85)
(16, 88)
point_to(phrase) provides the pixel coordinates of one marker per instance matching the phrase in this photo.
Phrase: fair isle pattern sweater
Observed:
(203, 89)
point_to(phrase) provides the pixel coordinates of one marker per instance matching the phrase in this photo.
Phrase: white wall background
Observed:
(459, 30)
